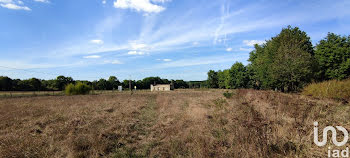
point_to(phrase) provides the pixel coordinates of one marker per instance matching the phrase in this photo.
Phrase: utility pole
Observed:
(130, 85)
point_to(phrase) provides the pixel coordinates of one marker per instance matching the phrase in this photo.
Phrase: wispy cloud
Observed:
(253, 42)
(113, 62)
(139, 5)
(42, 1)
(136, 53)
(96, 41)
(200, 61)
(160, 1)
(228, 49)
(17, 4)
(14, 6)
(246, 49)
(5, 1)
(92, 57)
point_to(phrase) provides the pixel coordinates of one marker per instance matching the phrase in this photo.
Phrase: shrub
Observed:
(77, 89)
(334, 89)
(228, 94)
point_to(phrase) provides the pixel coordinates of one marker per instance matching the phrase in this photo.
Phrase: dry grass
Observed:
(329, 89)
(184, 123)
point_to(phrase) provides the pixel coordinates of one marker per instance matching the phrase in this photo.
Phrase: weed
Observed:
(228, 94)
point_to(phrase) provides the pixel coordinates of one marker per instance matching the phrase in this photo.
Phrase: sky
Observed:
(133, 39)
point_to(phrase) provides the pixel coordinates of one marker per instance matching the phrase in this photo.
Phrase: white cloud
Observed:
(246, 49)
(253, 42)
(5, 1)
(201, 61)
(160, 1)
(104, 1)
(43, 1)
(229, 49)
(14, 6)
(113, 62)
(195, 43)
(17, 4)
(138, 5)
(166, 60)
(136, 53)
(92, 57)
(97, 41)
(138, 46)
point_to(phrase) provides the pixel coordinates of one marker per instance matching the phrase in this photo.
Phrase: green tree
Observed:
(212, 80)
(62, 81)
(224, 79)
(285, 62)
(103, 84)
(113, 82)
(146, 82)
(238, 76)
(180, 84)
(333, 57)
(35, 84)
(5, 83)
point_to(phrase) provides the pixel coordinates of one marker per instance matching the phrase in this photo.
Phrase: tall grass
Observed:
(329, 89)
(77, 89)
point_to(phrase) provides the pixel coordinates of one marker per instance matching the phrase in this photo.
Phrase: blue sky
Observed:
(174, 39)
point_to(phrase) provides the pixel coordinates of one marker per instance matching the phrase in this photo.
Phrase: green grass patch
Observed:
(333, 89)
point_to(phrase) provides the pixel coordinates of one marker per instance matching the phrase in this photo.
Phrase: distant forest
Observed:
(58, 84)
(288, 62)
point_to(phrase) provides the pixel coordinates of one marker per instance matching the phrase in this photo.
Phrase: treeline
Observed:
(59, 84)
(288, 62)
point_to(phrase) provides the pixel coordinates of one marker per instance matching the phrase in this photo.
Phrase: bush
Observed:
(334, 89)
(228, 95)
(77, 89)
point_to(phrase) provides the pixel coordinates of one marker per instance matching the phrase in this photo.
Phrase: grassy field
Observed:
(182, 123)
(9, 94)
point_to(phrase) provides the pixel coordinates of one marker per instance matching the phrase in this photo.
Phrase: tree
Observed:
(285, 62)
(212, 79)
(146, 82)
(180, 84)
(103, 84)
(238, 76)
(5, 83)
(113, 82)
(35, 84)
(224, 79)
(126, 84)
(333, 57)
(62, 81)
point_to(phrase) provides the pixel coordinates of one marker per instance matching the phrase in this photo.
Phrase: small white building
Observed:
(161, 87)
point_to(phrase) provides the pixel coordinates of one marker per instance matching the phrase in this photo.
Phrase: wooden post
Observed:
(130, 85)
